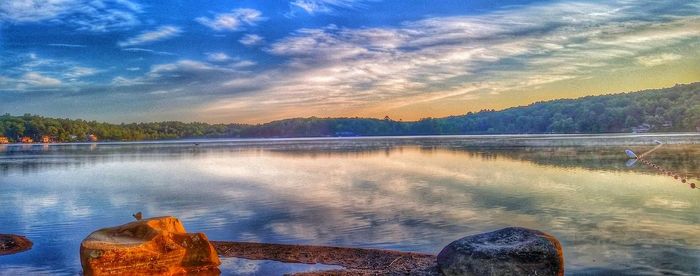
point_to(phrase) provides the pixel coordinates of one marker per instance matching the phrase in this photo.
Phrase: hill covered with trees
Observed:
(674, 109)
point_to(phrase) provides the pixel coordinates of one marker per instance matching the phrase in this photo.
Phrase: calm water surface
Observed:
(413, 194)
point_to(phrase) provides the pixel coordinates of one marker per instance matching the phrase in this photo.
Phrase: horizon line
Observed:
(374, 118)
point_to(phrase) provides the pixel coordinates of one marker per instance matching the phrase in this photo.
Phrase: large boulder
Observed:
(11, 244)
(509, 251)
(156, 246)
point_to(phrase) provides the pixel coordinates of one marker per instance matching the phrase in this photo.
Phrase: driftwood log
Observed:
(356, 261)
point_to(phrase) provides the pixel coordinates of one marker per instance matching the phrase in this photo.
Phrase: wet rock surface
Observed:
(509, 251)
(12, 244)
(156, 246)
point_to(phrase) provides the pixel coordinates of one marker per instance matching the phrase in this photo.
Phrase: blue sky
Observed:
(256, 61)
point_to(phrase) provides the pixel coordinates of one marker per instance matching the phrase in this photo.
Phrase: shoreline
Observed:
(501, 139)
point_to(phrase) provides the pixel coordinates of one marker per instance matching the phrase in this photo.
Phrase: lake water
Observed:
(414, 194)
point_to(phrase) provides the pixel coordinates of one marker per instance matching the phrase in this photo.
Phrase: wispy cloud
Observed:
(143, 50)
(37, 73)
(36, 79)
(85, 15)
(442, 58)
(422, 63)
(35, 10)
(232, 21)
(30, 81)
(659, 59)
(242, 64)
(218, 57)
(161, 33)
(80, 71)
(325, 6)
(122, 81)
(67, 45)
(251, 39)
(182, 73)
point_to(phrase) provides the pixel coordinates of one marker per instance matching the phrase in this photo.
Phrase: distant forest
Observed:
(675, 109)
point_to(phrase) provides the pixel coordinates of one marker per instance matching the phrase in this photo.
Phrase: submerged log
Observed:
(12, 244)
(156, 246)
(356, 261)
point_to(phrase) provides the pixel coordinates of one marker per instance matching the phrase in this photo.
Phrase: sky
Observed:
(226, 61)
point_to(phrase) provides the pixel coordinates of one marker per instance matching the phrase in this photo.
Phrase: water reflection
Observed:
(22, 158)
(406, 195)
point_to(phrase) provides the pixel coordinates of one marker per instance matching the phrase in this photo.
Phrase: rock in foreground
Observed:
(509, 251)
(11, 244)
(156, 246)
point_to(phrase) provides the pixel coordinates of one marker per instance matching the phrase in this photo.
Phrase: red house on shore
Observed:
(4, 140)
(26, 140)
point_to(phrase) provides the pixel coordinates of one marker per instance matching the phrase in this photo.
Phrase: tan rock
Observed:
(156, 246)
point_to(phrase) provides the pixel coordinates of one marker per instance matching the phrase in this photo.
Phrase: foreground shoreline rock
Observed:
(508, 251)
(156, 246)
(160, 246)
(13, 244)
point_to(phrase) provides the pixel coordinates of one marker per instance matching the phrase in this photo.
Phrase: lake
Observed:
(408, 193)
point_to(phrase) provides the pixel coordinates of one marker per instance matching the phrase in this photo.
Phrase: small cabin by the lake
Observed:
(26, 140)
(4, 140)
(46, 139)
(92, 138)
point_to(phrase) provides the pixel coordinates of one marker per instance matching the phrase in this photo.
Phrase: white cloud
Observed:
(218, 57)
(459, 57)
(181, 73)
(86, 15)
(34, 72)
(182, 65)
(325, 6)
(342, 70)
(67, 45)
(251, 39)
(243, 63)
(105, 20)
(130, 5)
(36, 79)
(35, 10)
(79, 72)
(142, 50)
(161, 33)
(659, 59)
(122, 81)
(233, 21)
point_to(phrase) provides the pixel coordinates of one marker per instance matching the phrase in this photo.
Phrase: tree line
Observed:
(675, 109)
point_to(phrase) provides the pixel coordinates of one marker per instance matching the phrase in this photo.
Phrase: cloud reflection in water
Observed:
(610, 218)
